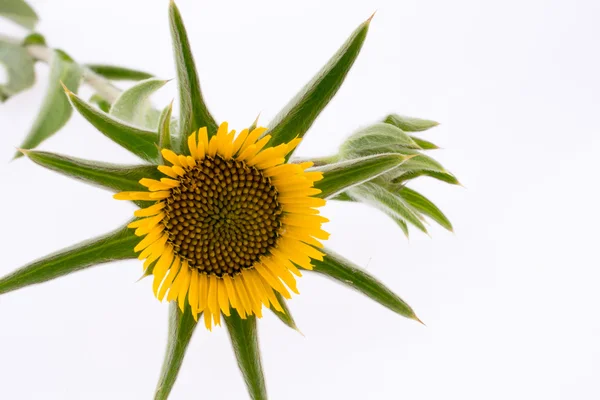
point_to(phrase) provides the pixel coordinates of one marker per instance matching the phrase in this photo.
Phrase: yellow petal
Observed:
(170, 156)
(223, 297)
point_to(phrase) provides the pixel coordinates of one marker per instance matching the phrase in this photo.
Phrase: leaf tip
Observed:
(20, 152)
(368, 21)
(66, 89)
(418, 320)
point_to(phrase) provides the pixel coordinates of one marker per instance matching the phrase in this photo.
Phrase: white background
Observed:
(510, 299)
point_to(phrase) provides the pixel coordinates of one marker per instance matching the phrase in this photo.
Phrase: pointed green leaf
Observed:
(117, 73)
(424, 144)
(181, 329)
(386, 201)
(286, 315)
(244, 339)
(375, 139)
(254, 124)
(100, 102)
(417, 166)
(299, 114)
(410, 124)
(340, 176)
(343, 197)
(193, 112)
(134, 106)
(404, 176)
(19, 12)
(425, 206)
(19, 69)
(142, 143)
(403, 225)
(164, 128)
(55, 110)
(347, 273)
(117, 245)
(114, 177)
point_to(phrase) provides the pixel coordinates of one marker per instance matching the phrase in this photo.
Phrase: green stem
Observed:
(103, 87)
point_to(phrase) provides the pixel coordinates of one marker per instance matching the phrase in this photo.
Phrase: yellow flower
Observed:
(229, 224)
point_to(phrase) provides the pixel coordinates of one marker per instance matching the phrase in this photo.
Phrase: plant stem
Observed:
(103, 87)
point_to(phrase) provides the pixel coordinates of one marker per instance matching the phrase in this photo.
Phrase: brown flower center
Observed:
(223, 216)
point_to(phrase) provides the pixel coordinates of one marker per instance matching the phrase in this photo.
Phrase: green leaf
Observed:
(117, 73)
(286, 315)
(19, 12)
(424, 144)
(425, 206)
(117, 245)
(299, 114)
(134, 107)
(100, 102)
(142, 143)
(403, 225)
(114, 177)
(375, 139)
(244, 339)
(34, 39)
(343, 197)
(164, 128)
(340, 176)
(386, 201)
(417, 166)
(19, 69)
(410, 124)
(181, 329)
(55, 110)
(193, 112)
(347, 273)
(440, 176)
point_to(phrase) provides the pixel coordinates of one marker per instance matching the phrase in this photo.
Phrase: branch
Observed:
(103, 87)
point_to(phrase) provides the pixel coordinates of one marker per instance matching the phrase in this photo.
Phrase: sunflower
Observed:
(227, 221)
(229, 224)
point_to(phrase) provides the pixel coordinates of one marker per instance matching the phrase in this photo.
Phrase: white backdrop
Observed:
(510, 300)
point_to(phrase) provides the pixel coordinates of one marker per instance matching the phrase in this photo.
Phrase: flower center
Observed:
(223, 216)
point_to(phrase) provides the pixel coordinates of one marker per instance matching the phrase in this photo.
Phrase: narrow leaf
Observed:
(138, 141)
(19, 69)
(441, 176)
(244, 339)
(286, 315)
(117, 245)
(100, 102)
(375, 139)
(347, 273)
(299, 114)
(19, 12)
(425, 206)
(386, 201)
(55, 110)
(117, 73)
(424, 144)
(403, 225)
(164, 128)
(114, 177)
(193, 113)
(181, 329)
(340, 176)
(134, 106)
(410, 124)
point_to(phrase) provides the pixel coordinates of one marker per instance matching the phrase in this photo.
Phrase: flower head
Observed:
(228, 224)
